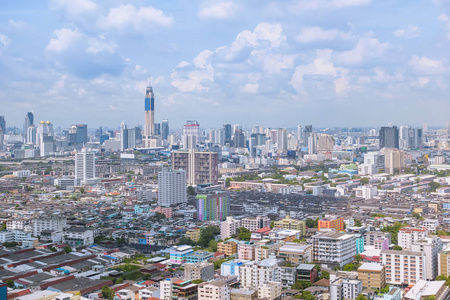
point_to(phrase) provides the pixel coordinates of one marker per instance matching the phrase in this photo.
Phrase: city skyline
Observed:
(286, 63)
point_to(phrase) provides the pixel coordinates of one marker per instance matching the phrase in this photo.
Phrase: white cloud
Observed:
(366, 48)
(4, 41)
(317, 34)
(445, 20)
(322, 65)
(17, 25)
(303, 5)
(427, 66)
(96, 45)
(217, 9)
(410, 32)
(74, 9)
(421, 81)
(257, 49)
(140, 19)
(182, 64)
(251, 88)
(65, 37)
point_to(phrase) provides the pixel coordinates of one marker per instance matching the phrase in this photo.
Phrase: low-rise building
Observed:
(295, 253)
(409, 235)
(78, 236)
(198, 256)
(403, 266)
(270, 290)
(423, 289)
(231, 267)
(334, 248)
(203, 271)
(291, 224)
(214, 290)
(227, 247)
(178, 254)
(372, 275)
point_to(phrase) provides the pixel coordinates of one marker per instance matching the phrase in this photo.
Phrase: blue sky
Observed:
(273, 63)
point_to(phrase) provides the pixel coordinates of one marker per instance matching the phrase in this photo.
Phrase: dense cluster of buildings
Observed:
(223, 214)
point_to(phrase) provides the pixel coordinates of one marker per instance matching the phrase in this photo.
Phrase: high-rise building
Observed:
(84, 165)
(201, 167)
(389, 137)
(3, 124)
(149, 127)
(299, 134)
(306, 133)
(123, 136)
(29, 120)
(191, 134)
(81, 133)
(171, 187)
(44, 138)
(31, 135)
(157, 129)
(239, 139)
(326, 143)
(312, 143)
(394, 160)
(213, 207)
(227, 133)
(281, 139)
(164, 129)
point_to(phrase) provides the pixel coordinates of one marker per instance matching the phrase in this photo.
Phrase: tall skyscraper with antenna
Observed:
(149, 127)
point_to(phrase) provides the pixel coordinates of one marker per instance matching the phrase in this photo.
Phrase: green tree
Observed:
(67, 249)
(119, 280)
(310, 223)
(385, 289)
(307, 295)
(357, 258)
(324, 275)
(9, 244)
(227, 182)
(434, 186)
(432, 297)
(107, 292)
(82, 190)
(396, 247)
(244, 234)
(358, 223)
(361, 297)
(9, 283)
(441, 277)
(53, 249)
(272, 224)
(185, 241)
(197, 281)
(3, 227)
(159, 216)
(212, 246)
(191, 190)
(301, 285)
(207, 235)
(393, 230)
(364, 180)
(416, 215)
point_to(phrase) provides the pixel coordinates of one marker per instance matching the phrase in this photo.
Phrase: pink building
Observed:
(246, 251)
(253, 224)
(167, 211)
(228, 227)
(381, 244)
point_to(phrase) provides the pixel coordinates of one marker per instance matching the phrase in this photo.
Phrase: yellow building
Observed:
(372, 275)
(228, 248)
(194, 234)
(288, 223)
(444, 262)
(434, 205)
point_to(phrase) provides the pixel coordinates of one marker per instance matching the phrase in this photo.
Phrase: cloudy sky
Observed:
(274, 63)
